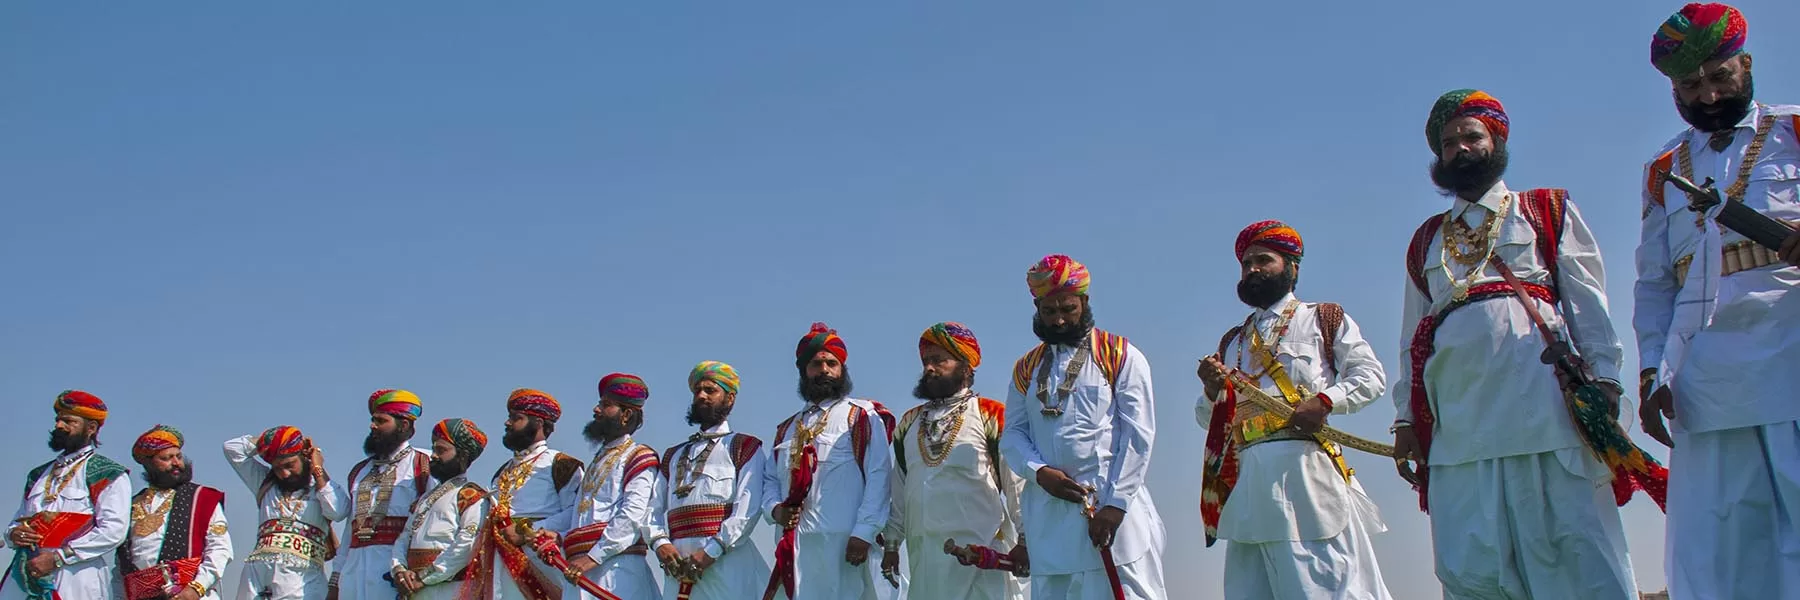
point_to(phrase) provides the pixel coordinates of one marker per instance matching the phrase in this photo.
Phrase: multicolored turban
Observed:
(279, 442)
(624, 387)
(715, 371)
(464, 435)
(80, 404)
(820, 339)
(400, 403)
(1698, 34)
(1274, 235)
(1457, 104)
(158, 439)
(1057, 274)
(955, 338)
(534, 403)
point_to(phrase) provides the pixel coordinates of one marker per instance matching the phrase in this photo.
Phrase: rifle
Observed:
(1736, 216)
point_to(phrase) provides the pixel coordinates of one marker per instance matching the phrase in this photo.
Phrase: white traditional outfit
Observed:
(439, 538)
(1298, 522)
(294, 539)
(710, 504)
(1715, 317)
(612, 515)
(81, 503)
(383, 492)
(848, 496)
(175, 532)
(535, 487)
(950, 482)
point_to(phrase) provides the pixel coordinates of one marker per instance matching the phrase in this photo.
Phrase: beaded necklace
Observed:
(687, 471)
(1459, 287)
(935, 439)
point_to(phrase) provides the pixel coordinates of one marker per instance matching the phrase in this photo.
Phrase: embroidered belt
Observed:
(697, 520)
(291, 542)
(583, 539)
(1736, 257)
(420, 561)
(381, 531)
(1255, 424)
(161, 581)
(1279, 435)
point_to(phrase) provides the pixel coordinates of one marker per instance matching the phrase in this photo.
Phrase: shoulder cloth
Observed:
(743, 448)
(643, 458)
(470, 494)
(1109, 352)
(562, 469)
(1330, 317)
(900, 434)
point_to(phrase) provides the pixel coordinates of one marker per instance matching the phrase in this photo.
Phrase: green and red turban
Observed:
(1274, 235)
(158, 439)
(820, 339)
(80, 404)
(280, 441)
(955, 338)
(1457, 104)
(1700, 33)
(625, 388)
(464, 435)
(534, 403)
(1057, 274)
(716, 372)
(399, 403)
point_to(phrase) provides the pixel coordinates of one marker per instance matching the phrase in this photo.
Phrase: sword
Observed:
(551, 552)
(983, 557)
(1736, 216)
(1106, 555)
(1248, 392)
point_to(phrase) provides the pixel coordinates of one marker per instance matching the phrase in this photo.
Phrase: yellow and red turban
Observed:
(624, 387)
(400, 403)
(1698, 34)
(157, 439)
(1274, 235)
(715, 371)
(955, 338)
(280, 441)
(1456, 104)
(80, 404)
(1057, 274)
(464, 435)
(820, 339)
(534, 403)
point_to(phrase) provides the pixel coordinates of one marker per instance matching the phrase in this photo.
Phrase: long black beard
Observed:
(707, 417)
(521, 439)
(825, 387)
(170, 479)
(599, 432)
(943, 386)
(380, 444)
(1067, 335)
(65, 442)
(1724, 114)
(1263, 290)
(296, 482)
(1470, 175)
(445, 471)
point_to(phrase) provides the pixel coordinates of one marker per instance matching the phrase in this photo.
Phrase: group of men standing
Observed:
(1507, 397)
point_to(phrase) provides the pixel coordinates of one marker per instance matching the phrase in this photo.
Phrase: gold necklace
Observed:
(143, 521)
(688, 471)
(1459, 287)
(424, 509)
(805, 433)
(594, 478)
(59, 480)
(512, 479)
(935, 451)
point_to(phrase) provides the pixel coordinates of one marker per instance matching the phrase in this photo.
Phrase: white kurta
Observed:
(271, 572)
(1297, 528)
(87, 571)
(441, 525)
(538, 499)
(1103, 440)
(1724, 344)
(146, 551)
(622, 503)
(845, 500)
(961, 497)
(1502, 421)
(385, 488)
(737, 566)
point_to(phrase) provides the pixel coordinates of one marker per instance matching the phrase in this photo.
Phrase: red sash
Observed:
(800, 480)
(382, 531)
(697, 521)
(57, 528)
(584, 538)
(162, 581)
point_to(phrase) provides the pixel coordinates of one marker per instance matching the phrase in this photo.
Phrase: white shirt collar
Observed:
(723, 428)
(535, 448)
(1490, 200)
(1263, 314)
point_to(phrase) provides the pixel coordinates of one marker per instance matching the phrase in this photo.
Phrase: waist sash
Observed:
(162, 580)
(290, 542)
(698, 520)
(583, 539)
(381, 531)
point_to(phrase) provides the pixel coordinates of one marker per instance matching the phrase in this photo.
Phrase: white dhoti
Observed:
(448, 590)
(822, 574)
(507, 589)
(1141, 579)
(90, 579)
(1734, 498)
(1341, 567)
(268, 580)
(938, 575)
(627, 576)
(743, 568)
(1530, 526)
(361, 571)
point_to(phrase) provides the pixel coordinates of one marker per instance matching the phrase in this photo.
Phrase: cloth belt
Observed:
(582, 539)
(284, 540)
(419, 561)
(162, 581)
(380, 532)
(697, 520)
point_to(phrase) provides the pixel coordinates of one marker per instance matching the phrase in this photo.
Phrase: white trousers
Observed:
(1540, 526)
(266, 580)
(1734, 497)
(1342, 567)
(933, 574)
(362, 568)
(1141, 579)
(627, 576)
(822, 574)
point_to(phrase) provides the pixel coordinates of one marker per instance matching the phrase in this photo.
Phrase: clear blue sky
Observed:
(225, 217)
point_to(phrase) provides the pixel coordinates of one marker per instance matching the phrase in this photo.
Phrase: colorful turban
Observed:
(1274, 235)
(718, 372)
(820, 339)
(624, 387)
(954, 337)
(1057, 274)
(400, 403)
(158, 439)
(1698, 34)
(80, 404)
(1457, 104)
(278, 442)
(464, 435)
(534, 403)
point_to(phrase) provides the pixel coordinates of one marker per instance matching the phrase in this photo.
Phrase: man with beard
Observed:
(1080, 419)
(383, 490)
(827, 482)
(1712, 312)
(74, 514)
(707, 511)
(178, 546)
(1519, 506)
(429, 558)
(1298, 522)
(531, 492)
(296, 503)
(605, 541)
(956, 455)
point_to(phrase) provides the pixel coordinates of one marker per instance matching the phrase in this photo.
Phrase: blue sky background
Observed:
(228, 216)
